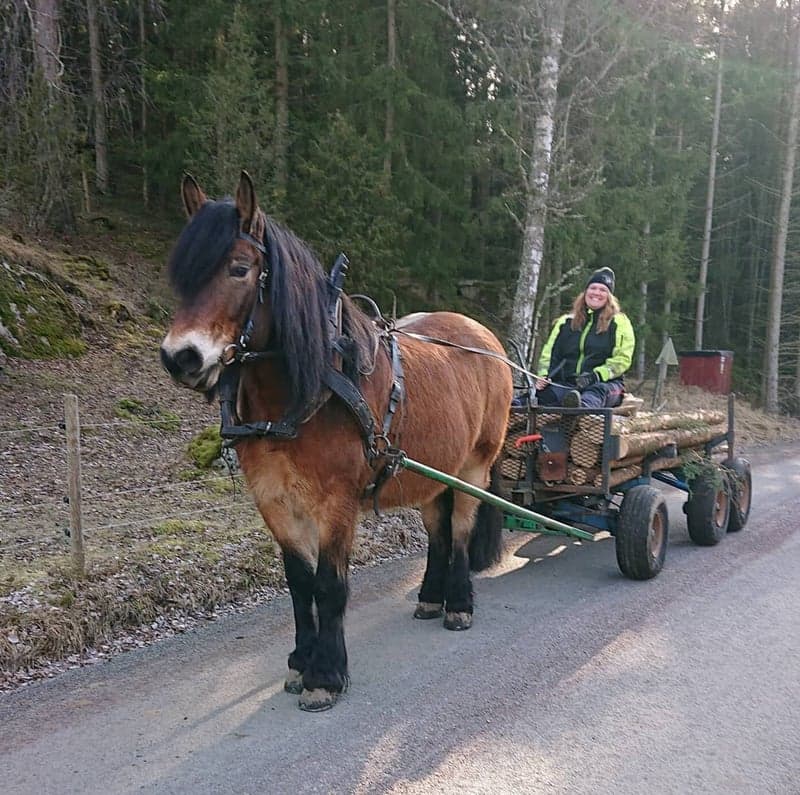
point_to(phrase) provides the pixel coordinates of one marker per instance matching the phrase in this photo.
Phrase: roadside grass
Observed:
(177, 567)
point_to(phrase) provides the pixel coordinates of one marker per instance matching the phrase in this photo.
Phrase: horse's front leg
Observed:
(300, 579)
(299, 541)
(325, 677)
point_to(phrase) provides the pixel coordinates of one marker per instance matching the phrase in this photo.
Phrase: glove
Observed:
(585, 380)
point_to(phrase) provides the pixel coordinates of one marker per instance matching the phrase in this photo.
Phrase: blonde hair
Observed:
(606, 314)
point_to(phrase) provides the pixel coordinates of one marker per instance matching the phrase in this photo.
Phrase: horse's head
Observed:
(233, 265)
(214, 269)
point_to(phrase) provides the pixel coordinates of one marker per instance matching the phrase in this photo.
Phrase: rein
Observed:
(376, 441)
(449, 344)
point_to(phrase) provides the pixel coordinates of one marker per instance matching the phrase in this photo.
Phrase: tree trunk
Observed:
(538, 178)
(391, 59)
(641, 357)
(47, 40)
(98, 102)
(797, 375)
(641, 335)
(650, 441)
(709, 210)
(143, 92)
(281, 141)
(668, 287)
(53, 157)
(555, 298)
(779, 245)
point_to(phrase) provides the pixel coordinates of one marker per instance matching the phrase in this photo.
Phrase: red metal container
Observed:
(710, 370)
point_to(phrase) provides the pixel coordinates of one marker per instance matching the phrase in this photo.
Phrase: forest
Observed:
(478, 155)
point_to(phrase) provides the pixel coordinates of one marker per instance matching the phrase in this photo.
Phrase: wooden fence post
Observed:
(73, 428)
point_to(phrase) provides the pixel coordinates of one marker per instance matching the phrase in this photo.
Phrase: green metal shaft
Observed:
(492, 499)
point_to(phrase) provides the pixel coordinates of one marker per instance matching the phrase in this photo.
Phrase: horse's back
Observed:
(452, 327)
(458, 400)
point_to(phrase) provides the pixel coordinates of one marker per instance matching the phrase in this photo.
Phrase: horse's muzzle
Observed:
(185, 366)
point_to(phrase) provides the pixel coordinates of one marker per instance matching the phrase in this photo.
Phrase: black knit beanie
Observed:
(602, 276)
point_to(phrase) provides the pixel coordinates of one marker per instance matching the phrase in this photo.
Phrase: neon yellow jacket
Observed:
(569, 353)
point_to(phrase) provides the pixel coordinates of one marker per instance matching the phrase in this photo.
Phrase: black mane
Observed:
(300, 320)
(297, 290)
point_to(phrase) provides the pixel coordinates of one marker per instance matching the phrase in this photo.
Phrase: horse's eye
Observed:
(239, 271)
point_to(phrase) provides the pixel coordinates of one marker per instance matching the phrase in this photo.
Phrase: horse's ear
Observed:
(246, 202)
(193, 196)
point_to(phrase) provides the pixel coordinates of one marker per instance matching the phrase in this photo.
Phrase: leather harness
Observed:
(376, 441)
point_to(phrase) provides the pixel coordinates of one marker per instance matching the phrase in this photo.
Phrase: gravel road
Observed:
(572, 679)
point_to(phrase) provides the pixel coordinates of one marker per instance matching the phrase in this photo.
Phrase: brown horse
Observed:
(242, 278)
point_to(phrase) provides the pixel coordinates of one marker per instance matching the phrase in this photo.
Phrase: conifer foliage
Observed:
(479, 156)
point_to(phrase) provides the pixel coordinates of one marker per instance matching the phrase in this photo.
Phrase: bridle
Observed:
(237, 354)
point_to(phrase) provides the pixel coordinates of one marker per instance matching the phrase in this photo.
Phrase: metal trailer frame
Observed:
(640, 530)
(718, 499)
(598, 512)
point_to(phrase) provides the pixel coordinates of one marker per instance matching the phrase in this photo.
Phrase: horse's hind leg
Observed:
(436, 518)
(300, 578)
(325, 675)
(458, 596)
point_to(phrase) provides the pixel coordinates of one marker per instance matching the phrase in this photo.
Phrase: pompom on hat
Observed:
(603, 276)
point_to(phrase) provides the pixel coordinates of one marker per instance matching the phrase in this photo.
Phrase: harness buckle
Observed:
(262, 284)
(380, 445)
(228, 355)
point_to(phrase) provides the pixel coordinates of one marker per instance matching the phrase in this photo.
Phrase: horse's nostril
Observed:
(167, 362)
(188, 360)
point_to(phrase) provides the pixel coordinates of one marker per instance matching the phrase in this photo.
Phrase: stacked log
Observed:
(633, 439)
(512, 459)
(637, 437)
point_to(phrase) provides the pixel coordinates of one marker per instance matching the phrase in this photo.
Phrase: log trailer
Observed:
(597, 470)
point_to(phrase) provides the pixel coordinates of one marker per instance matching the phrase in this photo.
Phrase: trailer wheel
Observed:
(708, 508)
(741, 489)
(642, 531)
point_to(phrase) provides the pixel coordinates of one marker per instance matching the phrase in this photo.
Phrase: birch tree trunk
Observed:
(98, 102)
(779, 243)
(538, 178)
(281, 140)
(391, 59)
(709, 209)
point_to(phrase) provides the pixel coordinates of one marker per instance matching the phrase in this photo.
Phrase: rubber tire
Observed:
(741, 491)
(642, 533)
(708, 509)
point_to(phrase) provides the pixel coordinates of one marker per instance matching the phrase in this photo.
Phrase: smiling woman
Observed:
(588, 351)
(302, 376)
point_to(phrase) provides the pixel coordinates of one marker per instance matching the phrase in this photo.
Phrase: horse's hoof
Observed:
(458, 621)
(317, 700)
(294, 682)
(426, 610)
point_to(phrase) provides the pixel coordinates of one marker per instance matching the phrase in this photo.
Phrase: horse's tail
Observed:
(486, 541)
